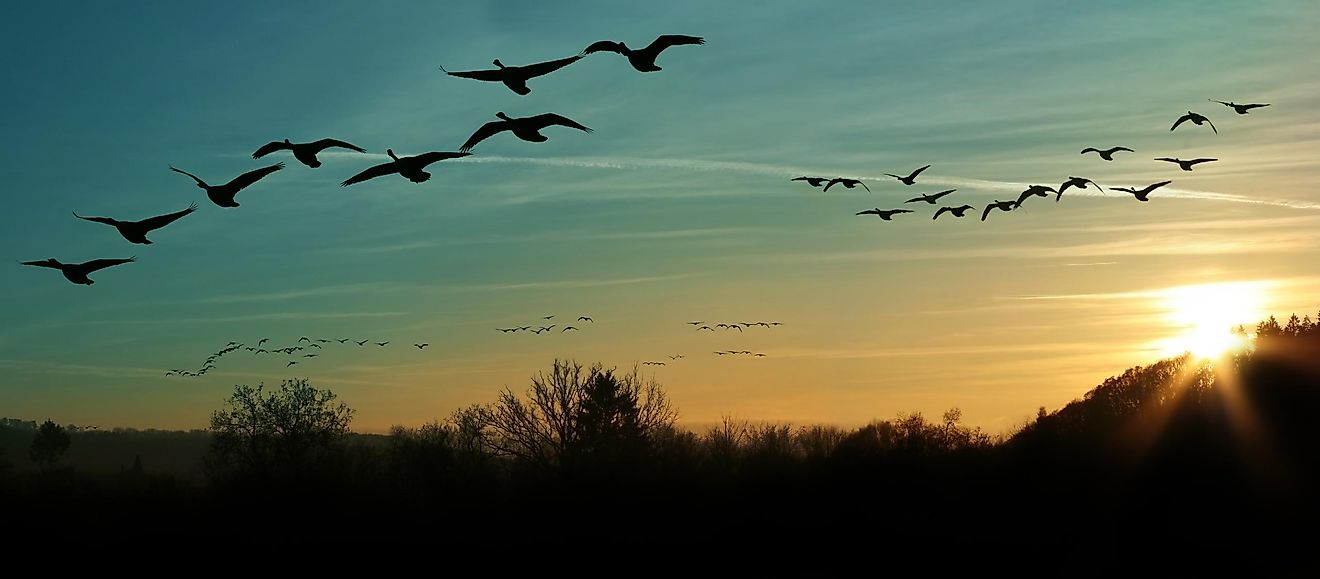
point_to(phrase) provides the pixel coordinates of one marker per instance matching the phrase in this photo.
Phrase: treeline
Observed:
(1179, 446)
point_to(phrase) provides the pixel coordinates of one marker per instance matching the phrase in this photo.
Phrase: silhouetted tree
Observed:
(262, 431)
(49, 443)
(574, 416)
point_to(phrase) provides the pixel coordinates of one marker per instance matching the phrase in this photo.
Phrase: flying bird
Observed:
(548, 317)
(304, 339)
(525, 128)
(421, 346)
(408, 167)
(567, 328)
(705, 328)
(643, 59)
(695, 323)
(223, 195)
(310, 355)
(956, 211)
(1106, 154)
(382, 344)
(1196, 119)
(813, 181)
(1188, 164)
(1141, 194)
(262, 341)
(847, 183)
(136, 231)
(677, 357)
(883, 214)
(78, 272)
(759, 355)
(363, 342)
(1239, 109)
(911, 179)
(586, 319)
(932, 198)
(291, 362)
(305, 153)
(1078, 182)
(1004, 206)
(1035, 191)
(515, 77)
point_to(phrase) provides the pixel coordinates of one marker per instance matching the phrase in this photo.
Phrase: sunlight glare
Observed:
(1207, 314)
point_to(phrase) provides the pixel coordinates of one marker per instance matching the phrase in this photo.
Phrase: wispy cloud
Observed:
(165, 320)
(573, 283)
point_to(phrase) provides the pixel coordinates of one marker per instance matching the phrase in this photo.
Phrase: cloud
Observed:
(573, 283)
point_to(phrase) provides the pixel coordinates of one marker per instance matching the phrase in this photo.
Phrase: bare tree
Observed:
(49, 444)
(262, 430)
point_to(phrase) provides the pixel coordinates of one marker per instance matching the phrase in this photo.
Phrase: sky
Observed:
(677, 208)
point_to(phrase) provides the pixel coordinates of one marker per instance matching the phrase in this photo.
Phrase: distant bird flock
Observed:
(530, 129)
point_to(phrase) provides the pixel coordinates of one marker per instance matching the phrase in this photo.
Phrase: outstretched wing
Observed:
(242, 181)
(605, 46)
(160, 221)
(1115, 149)
(1024, 196)
(937, 196)
(372, 173)
(1201, 160)
(939, 212)
(1154, 186)
(669, 40)
(428, 158)
(43, 263)
(918, 172)
(269, 148)
(831, 183)
(1090, 150)
(915, 199)
(869, 212)
(99, 264)
(868, 189)
(1212, 126)
(194, 177)
(540, 68)
(548, 119)
(986, 212)
(485, 132)
(489, 75)
(1180, 121)
(105, 220)
(1255, 106)
(324, 144)
(1220, 102)
(1166, 159)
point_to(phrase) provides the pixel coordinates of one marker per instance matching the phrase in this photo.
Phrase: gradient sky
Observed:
(677, 208)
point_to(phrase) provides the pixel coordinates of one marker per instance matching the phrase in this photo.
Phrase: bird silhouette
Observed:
(342, 340)
(223, 195)
(695, 323)
(1188, 164)
(1034, 191)
(525, 128)
(421, 346)
(305, 153)
(515, 77)
(262, 341)
(310, 355)
(1004, 206)
(883, 214)
(363, 342)
(1239, 109)
(648, 363)
(911, 179)
(1196, 119)
(382, 344)
(408, 167)
(847, 183)
(1078, 182)
(932, 198)
(136, 231)
(78, 272)
(291, 362)
(677, 357)
(956, 211)
(586, 319)
(304, 339)
(1106, 154)
(551, 316)
(760, 355)
(1144, 193)
(705, 328)
(813, 181)
(643, 59)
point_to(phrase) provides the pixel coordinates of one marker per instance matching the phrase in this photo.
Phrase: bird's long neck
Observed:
(498, 63)
(390, 152)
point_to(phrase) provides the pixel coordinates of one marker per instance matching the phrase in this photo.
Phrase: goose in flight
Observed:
(515, 77)
(932, 198)
(304, 339)
(305, 153)
(136, 231)
(1188, 164)
(847, 183)
(421, 346)
(1036, 191)
(409, 167)
(813, 181)
(881, 213)
(223, 195)
(1106, 154)
(363, 342)
(1004, 206)
(262, 341)
(1141, 194)
(310, 355)
(78, 272)
(956, 211)
(1239, 109)
(911, 179)
(695, 323)
(291, 362)
(705, 328)
(551, 316)
(677, 357)
(1078, 182)
(382, 344)
(525, 128)
(1196, 119)
(567, 328)
(643, 59)
(586, 319)
(653, 363)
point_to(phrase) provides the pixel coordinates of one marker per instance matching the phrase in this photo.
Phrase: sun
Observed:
(1207, 315)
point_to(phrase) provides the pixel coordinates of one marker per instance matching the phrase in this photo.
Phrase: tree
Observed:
(575, 416)
(262, 432)
(49, 444)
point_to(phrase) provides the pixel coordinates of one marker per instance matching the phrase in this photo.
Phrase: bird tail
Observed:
(442, 69)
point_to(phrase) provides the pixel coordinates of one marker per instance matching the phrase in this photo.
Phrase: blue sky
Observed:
(676, 208)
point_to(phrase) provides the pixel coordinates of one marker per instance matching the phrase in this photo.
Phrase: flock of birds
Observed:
(409, 167)
(1138, 193)
(313, 348)
(538, 329)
